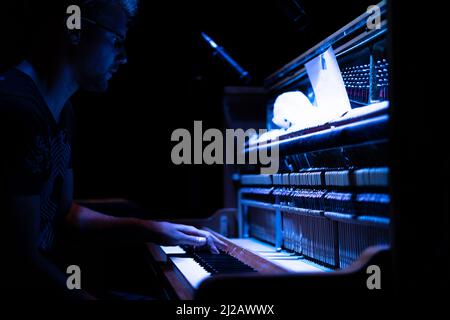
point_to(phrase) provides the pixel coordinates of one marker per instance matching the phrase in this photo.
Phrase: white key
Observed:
(191, 270)
(172, 249)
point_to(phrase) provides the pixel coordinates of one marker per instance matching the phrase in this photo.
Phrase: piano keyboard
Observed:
(197, 266)
(191, 270)
(220, 263)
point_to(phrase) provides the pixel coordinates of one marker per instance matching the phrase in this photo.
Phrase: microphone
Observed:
(244, 75)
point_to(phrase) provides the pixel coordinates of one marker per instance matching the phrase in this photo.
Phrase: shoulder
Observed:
(19, 103)
(14, 82)
(19, 113)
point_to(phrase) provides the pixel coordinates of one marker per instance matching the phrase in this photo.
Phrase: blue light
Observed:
(208, 39)
(244, 75)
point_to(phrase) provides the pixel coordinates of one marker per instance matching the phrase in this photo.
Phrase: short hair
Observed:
(47, 14)
(45, 18)
(129, 6)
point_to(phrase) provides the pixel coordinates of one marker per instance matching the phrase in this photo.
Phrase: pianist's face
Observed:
(101, 50)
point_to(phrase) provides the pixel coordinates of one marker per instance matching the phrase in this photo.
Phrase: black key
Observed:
(220, 263)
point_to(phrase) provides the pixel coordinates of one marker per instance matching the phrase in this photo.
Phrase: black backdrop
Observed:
(171, 80)
(123, 141)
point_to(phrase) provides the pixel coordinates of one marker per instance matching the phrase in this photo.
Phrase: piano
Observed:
(325, 216)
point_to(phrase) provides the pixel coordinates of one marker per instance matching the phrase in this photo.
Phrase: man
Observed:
(36, 179)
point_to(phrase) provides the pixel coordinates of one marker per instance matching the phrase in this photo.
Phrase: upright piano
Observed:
(324, 218)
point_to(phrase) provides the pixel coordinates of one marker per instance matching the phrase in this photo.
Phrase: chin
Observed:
(100, 86)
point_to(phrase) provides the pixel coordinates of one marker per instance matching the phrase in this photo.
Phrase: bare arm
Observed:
(101, 227)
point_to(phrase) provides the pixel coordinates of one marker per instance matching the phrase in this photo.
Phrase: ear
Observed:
(74, 36)
(73, 24)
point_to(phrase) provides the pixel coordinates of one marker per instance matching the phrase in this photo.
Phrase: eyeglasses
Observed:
(120, 39)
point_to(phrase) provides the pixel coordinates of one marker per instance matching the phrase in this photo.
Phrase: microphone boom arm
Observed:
(243, 74)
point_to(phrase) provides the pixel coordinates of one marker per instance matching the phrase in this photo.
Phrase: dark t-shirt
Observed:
(35, 155)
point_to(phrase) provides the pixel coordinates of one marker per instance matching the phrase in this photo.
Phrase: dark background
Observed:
(172, 79)
(123, 136)
(123, 146)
